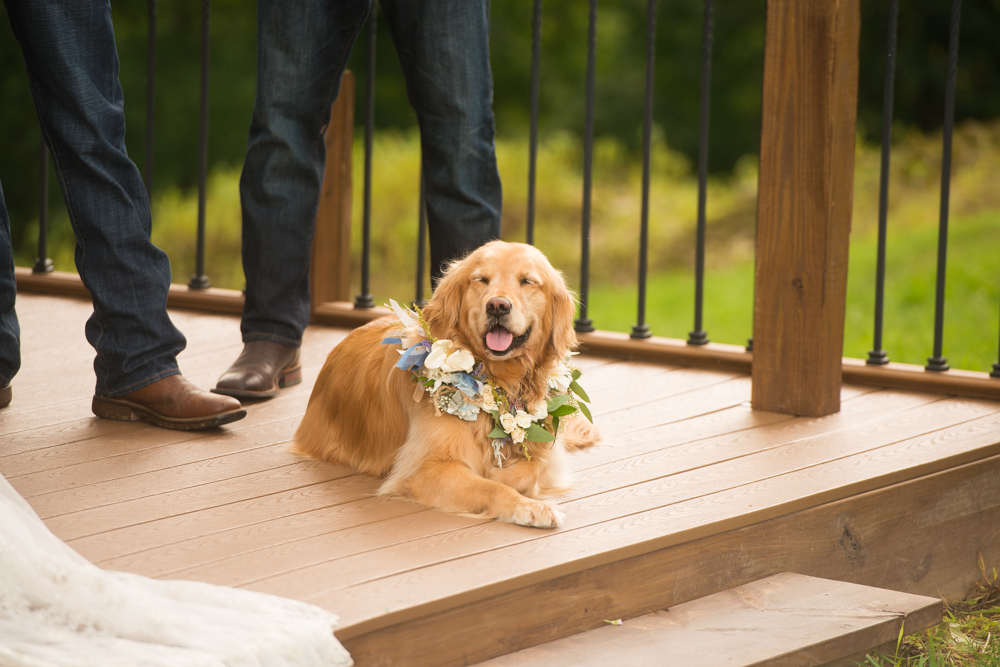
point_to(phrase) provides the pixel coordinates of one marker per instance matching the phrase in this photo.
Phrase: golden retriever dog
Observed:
(506, 306)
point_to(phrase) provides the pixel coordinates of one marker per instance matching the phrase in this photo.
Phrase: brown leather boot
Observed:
(173, 403)
(261, 369)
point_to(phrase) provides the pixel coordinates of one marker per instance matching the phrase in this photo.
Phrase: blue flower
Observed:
(467, 384)
(458, 406)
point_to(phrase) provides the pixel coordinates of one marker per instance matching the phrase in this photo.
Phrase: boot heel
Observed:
(107, 410)
(290, 377)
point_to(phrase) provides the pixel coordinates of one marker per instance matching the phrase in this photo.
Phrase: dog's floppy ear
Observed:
(563, 337)
(445, 307)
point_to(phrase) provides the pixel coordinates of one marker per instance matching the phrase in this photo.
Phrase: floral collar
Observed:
(456, 381)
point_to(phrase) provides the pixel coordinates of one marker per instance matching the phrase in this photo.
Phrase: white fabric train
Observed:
(58, 609)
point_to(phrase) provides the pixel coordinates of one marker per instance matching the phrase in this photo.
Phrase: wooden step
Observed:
(785, 619)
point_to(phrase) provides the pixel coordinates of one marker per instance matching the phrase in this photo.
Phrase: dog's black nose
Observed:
(497, 306)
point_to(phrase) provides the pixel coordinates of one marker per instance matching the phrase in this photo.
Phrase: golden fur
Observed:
(362, 411)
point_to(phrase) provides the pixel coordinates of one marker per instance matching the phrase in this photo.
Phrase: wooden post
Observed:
(804, 204)
(330, 271)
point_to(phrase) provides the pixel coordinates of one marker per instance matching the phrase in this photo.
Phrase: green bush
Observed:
(973, 291)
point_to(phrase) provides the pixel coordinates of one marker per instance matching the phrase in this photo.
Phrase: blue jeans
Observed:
(69, 50)
(303, 47)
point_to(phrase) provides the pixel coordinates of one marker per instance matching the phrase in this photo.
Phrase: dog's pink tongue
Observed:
(499, 339)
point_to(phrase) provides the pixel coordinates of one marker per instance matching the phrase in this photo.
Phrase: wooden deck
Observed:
(692, 493)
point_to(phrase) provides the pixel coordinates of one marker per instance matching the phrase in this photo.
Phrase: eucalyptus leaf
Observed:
(555, 425)
(536, 433)
(557, 401)
(498, 432)
(586, 412)
(578, 390)
(576, 373)
(563, 410)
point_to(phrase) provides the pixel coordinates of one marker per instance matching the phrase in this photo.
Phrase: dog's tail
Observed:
(578, 433)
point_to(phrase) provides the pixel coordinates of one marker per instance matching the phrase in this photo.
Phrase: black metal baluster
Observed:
(699, 336)
(42, 262)
(150, 95)
(938, 362)
(878, 356)
(421, 242)
(583, 323)
(995, 373)
(536, 57)
(199, 280)
(641, 328)
(364, 299)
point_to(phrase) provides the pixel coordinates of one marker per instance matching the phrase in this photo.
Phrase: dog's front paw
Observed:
(538, 515)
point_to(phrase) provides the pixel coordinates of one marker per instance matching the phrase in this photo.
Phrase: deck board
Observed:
(684, 459)
(606, 493)
(632, 519)
(787, 619)
(386, 601)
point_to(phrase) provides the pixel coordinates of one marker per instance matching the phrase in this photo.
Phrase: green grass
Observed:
(972, 305)
(972, 314)
(728, 309)
(967, 637)
(972, 294)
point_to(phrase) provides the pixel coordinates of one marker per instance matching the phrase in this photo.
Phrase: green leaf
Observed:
(557, 401)
(578, 390)
(495, 413)
(987, 612)
(498, 432)
(576, 373)
(536, 433)
(562, 411)
(586, 412)
(555, 425)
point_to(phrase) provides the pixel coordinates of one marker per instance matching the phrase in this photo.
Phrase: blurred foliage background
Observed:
(735, 127)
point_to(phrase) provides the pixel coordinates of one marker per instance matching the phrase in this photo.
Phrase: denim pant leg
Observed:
(72, 61)
(10, 333)
(443, 46)
(302, 50)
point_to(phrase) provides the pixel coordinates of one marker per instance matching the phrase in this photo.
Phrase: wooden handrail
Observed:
(715, 356)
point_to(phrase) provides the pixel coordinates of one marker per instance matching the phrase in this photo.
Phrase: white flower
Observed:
(439, 352)
(517, 435)
(560, 379)
(540, 411)
(460, 360)
(489, 403)
(507, 422)
(523, 419)
(441, 378)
